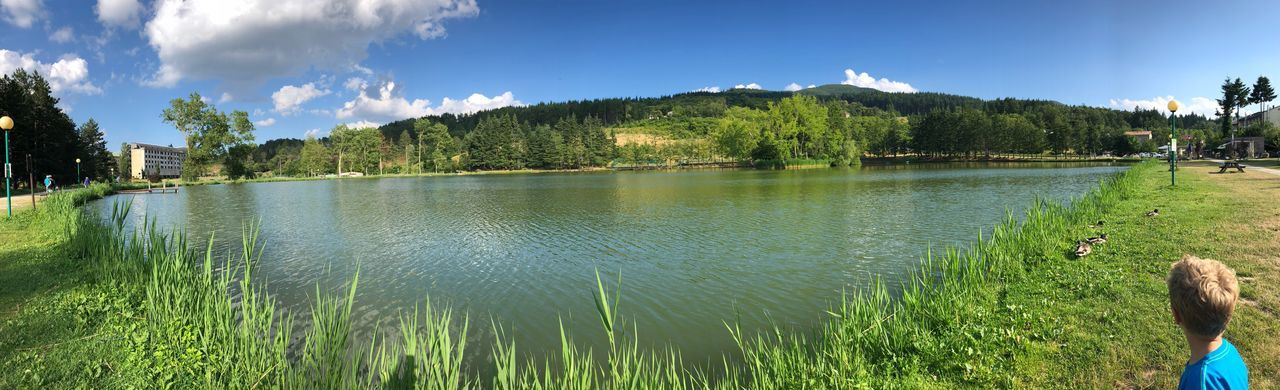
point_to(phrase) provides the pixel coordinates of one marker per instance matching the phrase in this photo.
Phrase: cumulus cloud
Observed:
(1197, 105)
(119, 13)
(793, 87)
(62, 35)
(69, 74)
(747, 86)
(226, 97)
(21, 13)
(866, 81)
(711, 89)
(289, 99)
(313, 133)
(386, 101)
(247, 42)
(811, 86)
(475, 102)
(265, 122)
(363, 124)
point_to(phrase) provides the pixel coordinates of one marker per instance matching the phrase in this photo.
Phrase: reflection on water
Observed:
(694, 247)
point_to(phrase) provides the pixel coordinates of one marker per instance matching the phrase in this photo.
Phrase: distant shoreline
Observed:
(873, 161)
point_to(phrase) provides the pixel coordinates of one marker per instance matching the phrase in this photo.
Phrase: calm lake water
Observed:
(694, 248)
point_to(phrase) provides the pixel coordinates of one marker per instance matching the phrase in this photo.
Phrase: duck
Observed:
(1097, 225)
(1153, 213)
(1083, 248)
(1100, 239)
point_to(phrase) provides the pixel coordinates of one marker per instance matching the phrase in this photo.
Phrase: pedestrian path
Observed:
(1253, 168)
(20, 202)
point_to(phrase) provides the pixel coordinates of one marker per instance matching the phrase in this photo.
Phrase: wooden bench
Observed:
(1230, 164)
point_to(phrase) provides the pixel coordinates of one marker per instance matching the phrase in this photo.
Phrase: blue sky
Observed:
(302, 65)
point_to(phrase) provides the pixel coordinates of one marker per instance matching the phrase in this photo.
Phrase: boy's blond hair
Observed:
(1204, 293)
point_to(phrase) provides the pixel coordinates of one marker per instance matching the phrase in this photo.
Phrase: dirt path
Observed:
(20, 202)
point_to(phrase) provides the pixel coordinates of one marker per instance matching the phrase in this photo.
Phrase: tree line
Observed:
(835, 124)
(497, 143)
(44, 139)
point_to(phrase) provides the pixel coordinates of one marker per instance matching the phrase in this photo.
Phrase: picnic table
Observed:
(1230, 164)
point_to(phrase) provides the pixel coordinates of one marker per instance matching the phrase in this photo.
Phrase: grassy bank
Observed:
(94, 305)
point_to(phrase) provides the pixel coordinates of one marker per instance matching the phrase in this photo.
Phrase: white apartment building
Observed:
(1270, 115)
(146, 160)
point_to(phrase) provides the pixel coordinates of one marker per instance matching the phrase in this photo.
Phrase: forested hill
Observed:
(829, 124)
(616, 111)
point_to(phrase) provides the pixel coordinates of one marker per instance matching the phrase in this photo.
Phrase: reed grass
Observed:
(206, 322)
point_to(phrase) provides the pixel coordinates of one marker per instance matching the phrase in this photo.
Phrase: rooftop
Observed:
(157, 147)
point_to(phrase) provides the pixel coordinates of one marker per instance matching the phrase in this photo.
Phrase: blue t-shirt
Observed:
(1223, 368)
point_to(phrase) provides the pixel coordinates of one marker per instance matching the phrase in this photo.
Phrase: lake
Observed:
(694, 248)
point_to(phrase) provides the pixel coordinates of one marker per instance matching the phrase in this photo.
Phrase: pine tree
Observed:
(1262, 93)
(1227, 105)
(95, 161)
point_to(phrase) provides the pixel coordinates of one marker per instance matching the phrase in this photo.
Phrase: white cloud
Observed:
(475, 102)
(747, 86)
(711, 89)
(363, 124)
(226, 97)
(69, 74)
(119, 13)
(313, 133)
(387, 102)
(265, 122)
(1197, 105)
(354, 84)
(793, 87)
(22, 13)
(811, 86)
(62, 35)
(289, 99)
(249, 41)
(866, 81)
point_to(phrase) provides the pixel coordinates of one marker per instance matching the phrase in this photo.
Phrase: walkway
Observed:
(1253, 168)
(20, 202)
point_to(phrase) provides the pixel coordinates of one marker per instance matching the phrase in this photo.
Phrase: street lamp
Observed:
(77, 171)
(6, 124)
(1173, 144)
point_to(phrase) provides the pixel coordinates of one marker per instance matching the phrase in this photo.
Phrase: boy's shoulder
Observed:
(1221, 369)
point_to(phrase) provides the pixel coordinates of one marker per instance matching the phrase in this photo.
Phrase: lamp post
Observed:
(77, 171)
(1173, 144)
(6, 124)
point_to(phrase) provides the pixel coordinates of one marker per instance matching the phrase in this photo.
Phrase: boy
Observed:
(1202, 294)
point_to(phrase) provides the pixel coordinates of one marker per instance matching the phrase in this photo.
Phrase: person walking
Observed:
(48, 184)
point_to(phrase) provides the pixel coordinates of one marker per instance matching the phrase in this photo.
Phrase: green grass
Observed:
(89, 304)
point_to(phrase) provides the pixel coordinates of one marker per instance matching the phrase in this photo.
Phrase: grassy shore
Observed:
(88, 304)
